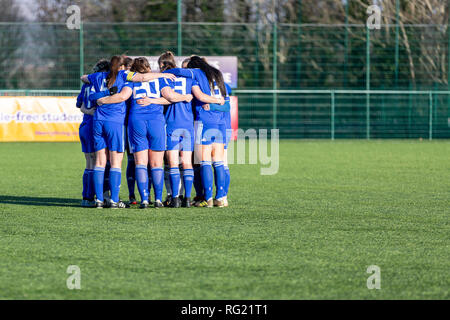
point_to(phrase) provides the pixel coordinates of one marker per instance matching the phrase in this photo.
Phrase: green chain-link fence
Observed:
(282, 69)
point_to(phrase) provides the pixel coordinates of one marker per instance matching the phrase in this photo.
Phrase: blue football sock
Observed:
(115, 177)
(142, 181)
(188, 178)
(85, 184)
(198, 181)
(220, 179)
(158, 182)
(99, 176)
(207, 178)
(167, 180)
(227, 179)
(131, 178)
(106, 182)
(175, 181)
(90, 185)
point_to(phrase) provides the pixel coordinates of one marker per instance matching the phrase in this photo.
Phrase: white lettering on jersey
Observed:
(148, 90)
(180, 85)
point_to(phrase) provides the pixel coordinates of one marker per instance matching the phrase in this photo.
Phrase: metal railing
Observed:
(333, 114)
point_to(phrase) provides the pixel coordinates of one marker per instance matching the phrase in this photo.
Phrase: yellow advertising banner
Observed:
(39, 119)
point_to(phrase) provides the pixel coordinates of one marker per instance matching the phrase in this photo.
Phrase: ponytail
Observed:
(115, 64)
(212, 74)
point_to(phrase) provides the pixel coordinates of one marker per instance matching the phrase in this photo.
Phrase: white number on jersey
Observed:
(145, 90)
(180, 85)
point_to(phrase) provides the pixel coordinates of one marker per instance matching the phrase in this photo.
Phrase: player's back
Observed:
(83, 98)
(114, 112)
(151, 89)
(202, 114)
(179, 115)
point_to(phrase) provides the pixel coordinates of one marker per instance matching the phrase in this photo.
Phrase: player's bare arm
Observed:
(121, 96)
(198, 93)
(174, 97)
(146, 101)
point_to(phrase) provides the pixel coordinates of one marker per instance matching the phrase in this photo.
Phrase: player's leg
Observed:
(156, 134)
(173, 137)
(137, 136)
(157, 171)
(131, 168)
(106, 189)
(219, 172)
(167, 180)
(174, 177)
(100, 162)
(188, 177)
(209, 133)
(187, 144)
(196, 160)
(227, 175)
(141, 159)
(115, 136)
(87, 146)
(88, 181)
(207, 174)
(218, 164)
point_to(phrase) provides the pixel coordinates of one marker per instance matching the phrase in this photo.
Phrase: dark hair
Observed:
(212, 74)
(115, 64)
(141, 65)
(101, 66)
(127, 62)
(166, 61)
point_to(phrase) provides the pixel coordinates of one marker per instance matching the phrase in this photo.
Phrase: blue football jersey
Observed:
(114, 112)
(180, 115)
(83, 97)
(203, 83)
(150, 89)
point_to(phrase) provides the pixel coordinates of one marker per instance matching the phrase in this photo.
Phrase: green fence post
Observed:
(256, 65)
(275, 75)
(430, 120)
(299, 57)
(81, 53)
(367, 83)
(397, 32)
(346, 46)
(409, 109)
(332, 114)
(179, 30)
(448, 65)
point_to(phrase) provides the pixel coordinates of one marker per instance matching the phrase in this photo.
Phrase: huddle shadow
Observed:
(38, 201)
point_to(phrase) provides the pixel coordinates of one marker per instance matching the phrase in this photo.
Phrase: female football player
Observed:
(109, 132)
(86, 136)
(180, 135)
(209, 134)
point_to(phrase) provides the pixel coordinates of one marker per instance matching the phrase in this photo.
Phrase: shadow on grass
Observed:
(37, 201)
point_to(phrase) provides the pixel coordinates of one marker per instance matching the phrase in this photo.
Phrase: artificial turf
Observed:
(308, 232)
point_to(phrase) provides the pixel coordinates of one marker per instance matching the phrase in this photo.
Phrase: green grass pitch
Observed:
(309, 232)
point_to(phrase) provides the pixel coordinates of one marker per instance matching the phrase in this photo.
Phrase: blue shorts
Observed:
(146, 134)
(208, 133)
(180, 139)
(86, 133)
(108, 134)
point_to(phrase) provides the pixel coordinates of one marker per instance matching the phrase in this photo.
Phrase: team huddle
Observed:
(174, 125)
